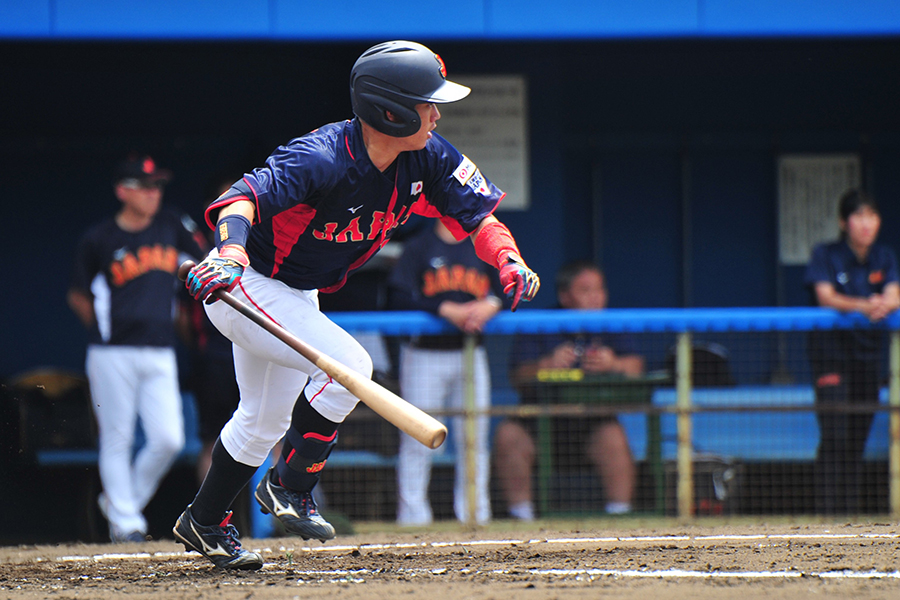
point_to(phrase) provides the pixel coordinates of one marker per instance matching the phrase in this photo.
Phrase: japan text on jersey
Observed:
(323, 209)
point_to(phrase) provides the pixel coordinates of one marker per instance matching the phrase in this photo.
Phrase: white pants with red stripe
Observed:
(433, 380)
(270, 374)
(127, 383)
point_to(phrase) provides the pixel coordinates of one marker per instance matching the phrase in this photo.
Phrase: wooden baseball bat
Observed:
(397, 411)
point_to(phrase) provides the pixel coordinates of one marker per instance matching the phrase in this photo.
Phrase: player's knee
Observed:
(609, 438)
(511, 439)
(165, 445)
(168, 443)
(359, 360)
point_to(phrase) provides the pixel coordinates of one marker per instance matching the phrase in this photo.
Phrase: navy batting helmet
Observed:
(396, 76)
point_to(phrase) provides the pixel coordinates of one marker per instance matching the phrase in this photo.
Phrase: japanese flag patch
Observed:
(478, 183)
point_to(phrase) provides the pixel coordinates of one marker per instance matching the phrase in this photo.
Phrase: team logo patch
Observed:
(443, 67)
(478, 183)
(415, 188)
(465, 170)
(316, 467)
(876, 277)
(829, 380)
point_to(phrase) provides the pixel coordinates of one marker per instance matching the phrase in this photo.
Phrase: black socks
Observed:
(224, 481)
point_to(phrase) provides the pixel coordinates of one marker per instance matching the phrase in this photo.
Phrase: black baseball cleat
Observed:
(296, 510)
(219, 543)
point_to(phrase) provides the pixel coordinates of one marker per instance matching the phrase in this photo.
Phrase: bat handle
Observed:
(184, 269)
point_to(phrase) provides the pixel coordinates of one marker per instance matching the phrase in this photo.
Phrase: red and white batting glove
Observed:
(519, 282)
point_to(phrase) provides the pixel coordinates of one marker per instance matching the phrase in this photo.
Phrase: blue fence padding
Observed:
(749, 436)
(779, 436)
(613, 320)
(66, 457)
(467, 19)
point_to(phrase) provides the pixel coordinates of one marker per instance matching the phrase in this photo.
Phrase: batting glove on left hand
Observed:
(216, 273)
(519, 282)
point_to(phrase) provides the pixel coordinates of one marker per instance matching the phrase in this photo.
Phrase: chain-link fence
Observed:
(675, 412)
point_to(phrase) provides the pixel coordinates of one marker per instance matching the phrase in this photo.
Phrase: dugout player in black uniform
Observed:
(442, 275)
(852, 274)
(123, 289)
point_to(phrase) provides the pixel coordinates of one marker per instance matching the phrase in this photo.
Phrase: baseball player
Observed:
(442, 275)
(320, 208)
(124, 290)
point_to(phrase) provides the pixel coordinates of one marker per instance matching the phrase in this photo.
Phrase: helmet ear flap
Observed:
(407, 123)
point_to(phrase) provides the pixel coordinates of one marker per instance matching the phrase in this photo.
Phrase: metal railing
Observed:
(681, 322)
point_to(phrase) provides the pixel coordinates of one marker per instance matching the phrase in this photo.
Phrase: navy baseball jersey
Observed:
(323, 209)
(431, 271)
(132, 277)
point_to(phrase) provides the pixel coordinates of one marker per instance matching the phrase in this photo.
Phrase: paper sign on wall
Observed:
(490, 127)
(809, 188)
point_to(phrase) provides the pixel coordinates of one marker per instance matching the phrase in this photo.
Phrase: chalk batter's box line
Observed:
(342, 574)
(512, 542)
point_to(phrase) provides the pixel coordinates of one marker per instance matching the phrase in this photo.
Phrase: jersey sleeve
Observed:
(531, 347)
(403, 282)
(294, 174)
(457, 191)
(403, 275)
(891, 274)
(622, 344)
(85, 266)
(817, 270)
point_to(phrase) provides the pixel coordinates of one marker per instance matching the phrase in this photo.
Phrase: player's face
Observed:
(428, 116)
(862, 227)
(587, 292)
(141, 200)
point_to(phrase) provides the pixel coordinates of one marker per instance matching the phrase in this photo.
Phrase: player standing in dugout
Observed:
(322, 206)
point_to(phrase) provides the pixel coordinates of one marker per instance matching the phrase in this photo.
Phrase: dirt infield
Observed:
(619, 561)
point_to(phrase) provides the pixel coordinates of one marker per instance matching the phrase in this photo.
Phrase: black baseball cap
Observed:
(142, 169)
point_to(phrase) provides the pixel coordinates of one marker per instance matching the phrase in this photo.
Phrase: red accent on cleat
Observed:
(227, 519)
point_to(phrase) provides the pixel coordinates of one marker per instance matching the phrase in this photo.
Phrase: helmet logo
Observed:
(148, 166)
(443, 66)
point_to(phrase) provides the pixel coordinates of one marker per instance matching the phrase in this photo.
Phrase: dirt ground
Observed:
(616, 560)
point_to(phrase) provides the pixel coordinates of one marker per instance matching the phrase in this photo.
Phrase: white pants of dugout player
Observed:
(271, 375)
(128, 383)
(432, 380)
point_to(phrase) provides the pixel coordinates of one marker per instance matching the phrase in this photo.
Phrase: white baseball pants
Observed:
(128, 383)
(270, 374)
(432, 380)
